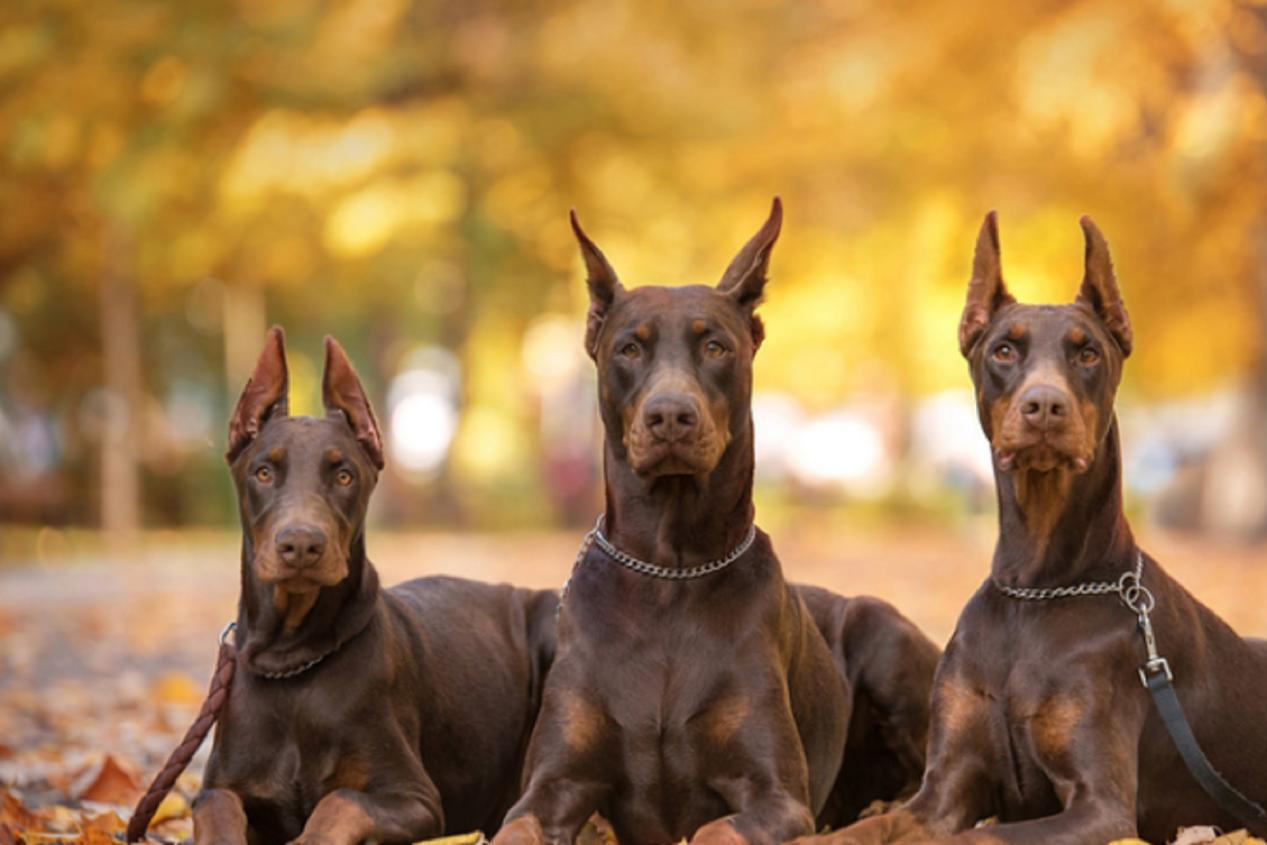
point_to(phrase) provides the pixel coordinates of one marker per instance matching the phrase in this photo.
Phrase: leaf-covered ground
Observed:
(104, 661)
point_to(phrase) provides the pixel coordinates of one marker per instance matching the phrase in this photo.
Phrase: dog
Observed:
(357, 713)
(1039, 716)
(693, 694)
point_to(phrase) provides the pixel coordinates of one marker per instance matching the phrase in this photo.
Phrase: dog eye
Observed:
(1004, 353)
(714, 349)
(1088, 355)
(631, 350)
(264, 475)
(343, 477)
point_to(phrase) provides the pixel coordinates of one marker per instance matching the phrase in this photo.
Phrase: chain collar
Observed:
(671, 573)
(1129, 583)
(1129, 588)
(596, 536)
(285, 673)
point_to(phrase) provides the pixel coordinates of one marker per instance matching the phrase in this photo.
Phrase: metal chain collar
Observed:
(1129, 588)
(595, 535)
(283, 674)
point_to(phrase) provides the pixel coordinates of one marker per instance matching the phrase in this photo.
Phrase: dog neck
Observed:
(680, 520)
(1057, 527)
(278, 635)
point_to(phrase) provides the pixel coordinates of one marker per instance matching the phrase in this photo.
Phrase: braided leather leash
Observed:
(217, 695)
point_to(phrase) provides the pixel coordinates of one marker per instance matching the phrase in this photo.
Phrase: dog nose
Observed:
(300, 546)
(670, 416)
(1045, 408)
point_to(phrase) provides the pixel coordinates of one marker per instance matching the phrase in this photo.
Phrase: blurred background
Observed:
(175, 177)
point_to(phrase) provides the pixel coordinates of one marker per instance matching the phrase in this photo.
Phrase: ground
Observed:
(104, 659)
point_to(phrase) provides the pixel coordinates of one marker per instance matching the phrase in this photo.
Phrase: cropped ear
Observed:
(602, 282)
(746, 277)
(264, 397)
(986, 291)
(1099, 288)
(341, 392)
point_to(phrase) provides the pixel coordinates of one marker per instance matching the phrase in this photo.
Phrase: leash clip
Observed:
(228, 629)
(1155, 666)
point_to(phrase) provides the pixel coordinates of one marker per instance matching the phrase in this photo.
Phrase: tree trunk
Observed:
(121, 363)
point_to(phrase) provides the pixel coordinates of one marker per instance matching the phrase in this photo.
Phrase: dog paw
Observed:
(719, 832)
(525, 830)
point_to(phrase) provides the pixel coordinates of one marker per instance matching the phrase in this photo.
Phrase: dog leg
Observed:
(551, 812)
(219, 818)
(775, 817)
(348, 817)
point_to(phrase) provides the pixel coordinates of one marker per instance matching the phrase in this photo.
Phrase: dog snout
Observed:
(671, 417)
(1045, 408)
(300, 546)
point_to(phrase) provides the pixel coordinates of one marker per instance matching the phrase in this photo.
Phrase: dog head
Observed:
(675, 364)
(1045, 375)
(303, 483)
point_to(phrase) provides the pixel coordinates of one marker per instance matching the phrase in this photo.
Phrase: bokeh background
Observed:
(175, 177)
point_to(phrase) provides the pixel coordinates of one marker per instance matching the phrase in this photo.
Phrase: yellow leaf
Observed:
(176, 688)
(174, 806)
(475, 838)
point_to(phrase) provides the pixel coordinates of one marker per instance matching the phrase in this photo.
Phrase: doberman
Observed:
(357, 713)
(1040, 718)
(692, 694)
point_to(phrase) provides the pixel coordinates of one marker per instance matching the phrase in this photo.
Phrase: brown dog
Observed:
(356, 714)
(1039, 716)
(693, 694)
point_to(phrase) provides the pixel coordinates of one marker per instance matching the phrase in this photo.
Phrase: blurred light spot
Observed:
(776, 417)
(422, 411)
(840, 449)
(552, 351)
(365, 221)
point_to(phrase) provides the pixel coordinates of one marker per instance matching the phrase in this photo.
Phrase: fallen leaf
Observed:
(174, 806)
(12, 814)
(58, 819)
(176, 688)
(110, 783)
(107, 823)
(476, 838)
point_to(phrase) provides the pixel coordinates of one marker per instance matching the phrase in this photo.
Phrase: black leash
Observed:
(1251, 814)
(1158, 679)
